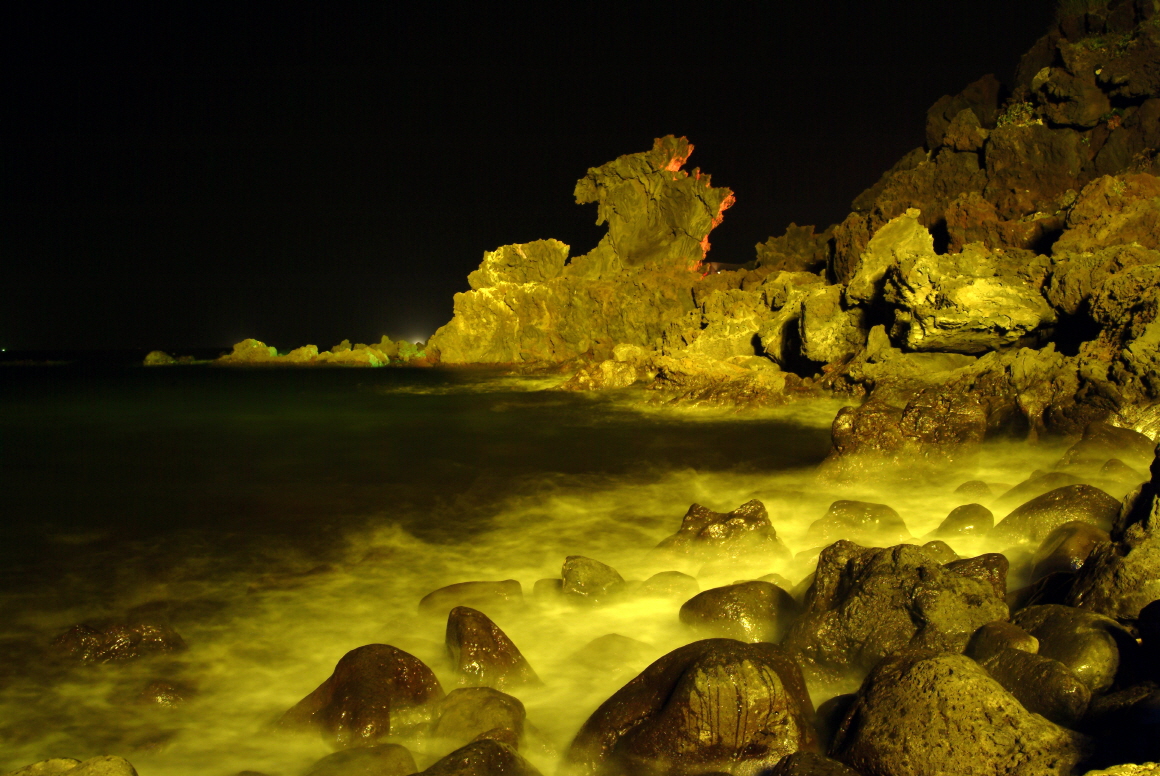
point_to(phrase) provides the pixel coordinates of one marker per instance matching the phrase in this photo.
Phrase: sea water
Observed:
(278, 518)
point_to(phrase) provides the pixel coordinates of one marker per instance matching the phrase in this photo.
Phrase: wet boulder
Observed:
(716, 704)
(374, 691)
(376, 760)
(867, 603)
(1066, 548)
(994, 637)
(107, 642)
(478, 595)
(468, 712)
(1087, 643)
(485, 757)
(589, 580)
(965, 520)
(857, 521)
(747, 611)
(808, 764)
(1037, 484)
(1042, 685)
(705, 534)
(1035, 520)
(669, 584)
(922, 712)
(482, 654)
(1102, 442)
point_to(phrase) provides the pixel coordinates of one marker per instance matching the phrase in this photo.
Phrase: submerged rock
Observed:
(105, 642)
(478, 595)
(711, 705)
(469, 712)
(375, 691)
(923, 712)
(1036, 519)
(589, 580)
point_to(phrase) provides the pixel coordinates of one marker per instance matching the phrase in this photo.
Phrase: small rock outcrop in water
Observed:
(106, 642)
(252, 352)
(374, 691)
(705, 534)
(482, 653)
(711, 705)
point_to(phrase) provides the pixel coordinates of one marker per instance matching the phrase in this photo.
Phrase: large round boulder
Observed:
(482, 654)
(923, 712)
(857, 521)
(1042, 685)
(867, 603)
(485, 757)
(965, 520)
(747, 611)
(716, 704)
(1033, 521)
(374, 691)
(1089, 644)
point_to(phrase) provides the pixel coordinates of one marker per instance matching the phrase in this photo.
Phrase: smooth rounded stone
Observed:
(378, 760)
(482, 654)
(477, 595)
(1087, 643)
(549, 589)
(374, 691)
(858, 521)
(1066, 548)
(485, 757)
(589, 580)
(107, 642)
(1117, 471)
(716, 704)
(705, 534)
(168, 695)
(1042, 685)
(471, 711)
(994, 637)
(865, 603)
(965, 520)
(1103, 441)
(748, 611)
(669, 584)
(808, 764)
(940, 551)
(1033, 521)
(1037, 484)
(975, 489)
(613, 653)
(53, 767)
(920, 713)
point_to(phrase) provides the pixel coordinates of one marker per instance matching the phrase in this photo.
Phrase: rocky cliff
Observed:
(1003, 278)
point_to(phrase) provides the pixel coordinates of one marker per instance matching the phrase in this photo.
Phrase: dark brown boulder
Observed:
(374, 691)
(920, 713)
(1032, 522)
(993, 637)
(1044, 686)
(1066, 548)
(711, 705)
(468, 712)
(485, 757)
(1102, 442)
(106, 642)
(1087, 643)
(1114, 210)
(981, 98)
(966, 520)
(990, 567)
(867, 603)
(798, 250)
(1029, 165)
(857, 521)
(377, 760)
(478, 595)
(971, 218)
(747, 611)
(482, 654)
(705, 534)
(589, 580)
(1037, 484)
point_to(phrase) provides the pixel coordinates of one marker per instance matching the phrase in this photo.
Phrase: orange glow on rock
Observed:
(726, 203)
(677, 162)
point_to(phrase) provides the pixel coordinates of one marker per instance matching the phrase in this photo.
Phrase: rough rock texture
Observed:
(105, 642)
(867, 603)
(482, 654)
(96, 766)
(705, 534)
(746, 611)
(922, 712)
(252, 352)
(374, 691)
(586, 579)
(711, 705)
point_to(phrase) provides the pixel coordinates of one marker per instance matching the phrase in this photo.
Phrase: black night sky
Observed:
(188, 174)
